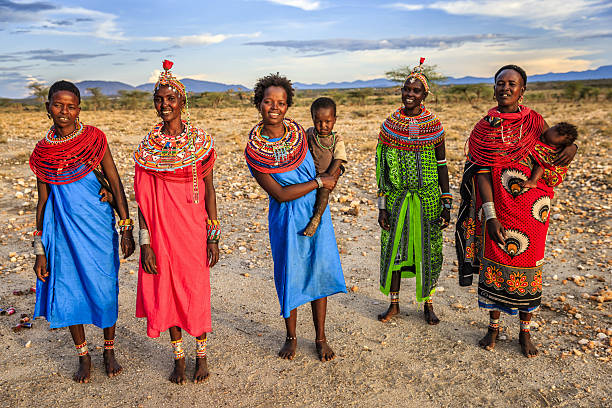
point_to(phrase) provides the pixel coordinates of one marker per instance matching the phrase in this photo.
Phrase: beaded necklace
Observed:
(333, 143)
(53, 139)
(277, 156)
(411, 133)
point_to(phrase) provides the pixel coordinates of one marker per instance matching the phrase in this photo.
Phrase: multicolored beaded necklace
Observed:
(277, 156)
(411, 132)
(53, 138)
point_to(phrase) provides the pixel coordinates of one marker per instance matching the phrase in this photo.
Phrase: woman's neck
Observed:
(416, 111)
(274, 131)
(173, 128)
(509, 109)
(65, 130)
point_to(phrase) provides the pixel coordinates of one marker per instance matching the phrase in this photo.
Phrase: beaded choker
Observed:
(53, 138)
(411, 132)
(278, 156)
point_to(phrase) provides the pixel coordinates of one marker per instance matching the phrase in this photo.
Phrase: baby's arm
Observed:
(334, 168)
(536, 173)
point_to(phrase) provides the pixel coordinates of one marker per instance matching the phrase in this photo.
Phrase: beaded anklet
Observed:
(109, 344)
(201, 348)
(493, 324)
(394, 297)
(82, 349)
(177, 345)
(525, 325)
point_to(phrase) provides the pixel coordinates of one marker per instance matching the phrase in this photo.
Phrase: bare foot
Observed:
(110, 363)
(178, 374)
(324, 351)
(488, 341)
(83, 373)
(530, 184)
(429, 315)
(288, 350)
(201, 370)
(392, 311)
(527, 347)
(312, 226)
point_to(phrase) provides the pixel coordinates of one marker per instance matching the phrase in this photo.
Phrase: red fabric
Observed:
(511, 141)
(179, 295)
(65, 162)
(517, 213)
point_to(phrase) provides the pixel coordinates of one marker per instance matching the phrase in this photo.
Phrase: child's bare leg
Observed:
(110, 362)
(178, 374)
(288, 350)
(394, 294)
(319, 311)
(536, 173)
(527, 347)
(488, 341)
(78, 336)
(201, 369)
(319, 208)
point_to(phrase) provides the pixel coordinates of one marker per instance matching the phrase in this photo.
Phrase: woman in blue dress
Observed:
(75, 242)
(306, 269)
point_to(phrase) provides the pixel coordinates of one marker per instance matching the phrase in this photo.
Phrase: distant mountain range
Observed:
(194, 85)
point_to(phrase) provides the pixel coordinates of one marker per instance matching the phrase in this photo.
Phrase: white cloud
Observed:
(201, 39)
(307, 5)
(406, 7)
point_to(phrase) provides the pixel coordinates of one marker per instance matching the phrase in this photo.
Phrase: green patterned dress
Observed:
(406, 173)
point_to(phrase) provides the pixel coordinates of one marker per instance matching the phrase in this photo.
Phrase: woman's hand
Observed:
(565, 157)
(213, 253)
(444, 218)
(40, 267)
(496, 231)
(107, 197)
(383, 220)
(127, 243)
(147, 259)
(329, 182)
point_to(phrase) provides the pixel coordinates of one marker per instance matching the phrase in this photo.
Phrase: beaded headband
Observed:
(167, 79)
(418, 74)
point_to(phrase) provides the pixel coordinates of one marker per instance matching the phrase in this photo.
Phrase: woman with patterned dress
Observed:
(76, 245)
(501, 227)
(179, 231)
(413, 197)
(306, 268)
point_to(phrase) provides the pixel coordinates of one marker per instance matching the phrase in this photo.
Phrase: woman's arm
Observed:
(211, 209)
(40, 264)
(443, 182)
(110, 171)
(485, 188)
(292, 192)
(147, 256)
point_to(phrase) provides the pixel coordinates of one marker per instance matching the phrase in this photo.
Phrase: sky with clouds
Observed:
(237, 41)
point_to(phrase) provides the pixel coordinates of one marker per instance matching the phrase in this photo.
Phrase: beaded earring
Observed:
(49, 115)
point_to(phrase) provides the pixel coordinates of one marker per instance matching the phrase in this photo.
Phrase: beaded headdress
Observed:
(167, 79)
(417, 73)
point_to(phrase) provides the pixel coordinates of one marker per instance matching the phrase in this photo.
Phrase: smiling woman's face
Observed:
(509, 89)
(168, 104)
(274, 106)
(64, 109)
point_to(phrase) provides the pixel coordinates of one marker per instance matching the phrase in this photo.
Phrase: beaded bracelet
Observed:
(126, 224)
(213, 228)
(37, 233)
(441, 163)
(447, 200)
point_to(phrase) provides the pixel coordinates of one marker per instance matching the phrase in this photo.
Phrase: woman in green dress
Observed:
(413, 197)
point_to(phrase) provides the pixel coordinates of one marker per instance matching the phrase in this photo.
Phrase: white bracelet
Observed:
(319, 182)
(39, 248)
(143, 237)
(488, 210)
(382, 202)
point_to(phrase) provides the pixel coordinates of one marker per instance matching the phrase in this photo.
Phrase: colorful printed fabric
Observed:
(278, 156)
(510, 275)
(411, 132)
(413, 245)
(57, 160)
(163, 153)
(553, 175)
(82, 250)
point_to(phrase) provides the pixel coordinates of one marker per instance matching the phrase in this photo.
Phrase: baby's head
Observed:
(323, 112)
(560, 135)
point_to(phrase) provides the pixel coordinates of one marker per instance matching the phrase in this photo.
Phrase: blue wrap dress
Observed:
(81, 246)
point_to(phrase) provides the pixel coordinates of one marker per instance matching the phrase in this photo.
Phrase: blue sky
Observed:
(237, 41)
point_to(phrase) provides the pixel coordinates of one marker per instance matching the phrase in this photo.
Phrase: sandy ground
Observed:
(404, 363)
